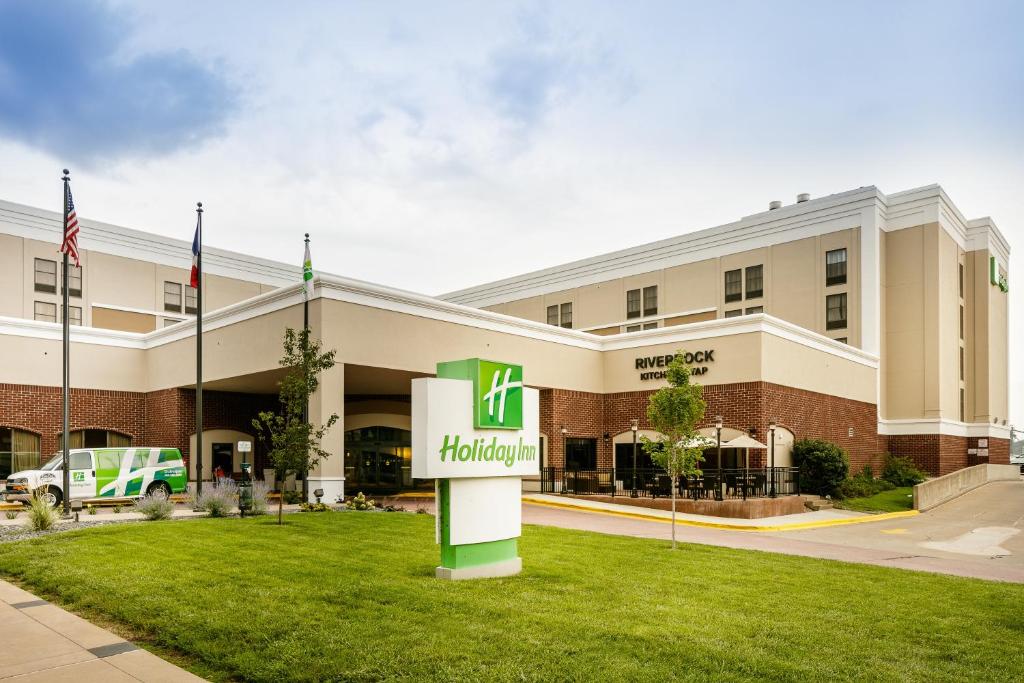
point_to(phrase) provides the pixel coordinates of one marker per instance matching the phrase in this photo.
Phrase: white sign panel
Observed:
(245, 446)
(446, 445)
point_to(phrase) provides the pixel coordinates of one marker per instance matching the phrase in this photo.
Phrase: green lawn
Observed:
(351, 596)
(893, 500)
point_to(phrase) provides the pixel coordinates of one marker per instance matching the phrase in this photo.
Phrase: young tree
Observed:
(293, 443)
(675, 411)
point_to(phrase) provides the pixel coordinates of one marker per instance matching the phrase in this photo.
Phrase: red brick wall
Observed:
(39, 409)
(164, 418)
(742, 406)
(999, 451)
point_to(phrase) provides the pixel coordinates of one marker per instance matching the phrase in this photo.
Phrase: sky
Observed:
(406, 136)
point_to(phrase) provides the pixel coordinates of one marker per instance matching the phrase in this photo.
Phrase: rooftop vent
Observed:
(774, 205)
(802, 197)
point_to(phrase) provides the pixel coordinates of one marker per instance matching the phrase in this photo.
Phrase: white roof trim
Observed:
(845, 210)
(47, 226)
(942, 426)
(647, 319)
(401, 301)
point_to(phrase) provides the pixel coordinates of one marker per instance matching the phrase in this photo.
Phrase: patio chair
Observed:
(662, 486)
(605, 484)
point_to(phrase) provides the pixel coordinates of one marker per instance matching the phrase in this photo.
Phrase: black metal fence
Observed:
(725, 484)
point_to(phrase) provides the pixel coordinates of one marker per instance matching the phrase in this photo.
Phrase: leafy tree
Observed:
(293, 443)
(675, 411)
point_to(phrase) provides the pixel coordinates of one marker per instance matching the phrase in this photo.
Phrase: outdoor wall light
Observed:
(718, 421)
(634, 424)
(564, 430)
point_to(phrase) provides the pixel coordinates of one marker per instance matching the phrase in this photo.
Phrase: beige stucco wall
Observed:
(93, 366)
(904, 328)
(125, 321)
(794, 289)
(106, 279)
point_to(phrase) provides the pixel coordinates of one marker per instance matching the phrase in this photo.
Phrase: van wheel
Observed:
(52, 496)
(159, 488)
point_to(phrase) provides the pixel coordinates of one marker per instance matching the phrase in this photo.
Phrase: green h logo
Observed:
(497, 391)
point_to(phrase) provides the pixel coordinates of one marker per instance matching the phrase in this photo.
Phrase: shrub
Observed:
(117, 509)
(292, 497)
(260, 490)
(91, 509)
(155, 507)
(823, 465)
(862, 485)
(421, 510)
(12, 514)
(314, 507)
(41, 516)
(360, 503)
(900, 471)
(219, 500)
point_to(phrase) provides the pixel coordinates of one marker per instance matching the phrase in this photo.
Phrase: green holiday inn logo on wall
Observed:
(497, 391)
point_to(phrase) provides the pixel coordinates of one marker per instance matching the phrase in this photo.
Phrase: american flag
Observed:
(70, 244)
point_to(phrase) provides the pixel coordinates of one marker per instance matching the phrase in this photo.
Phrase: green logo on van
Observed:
(497, 391)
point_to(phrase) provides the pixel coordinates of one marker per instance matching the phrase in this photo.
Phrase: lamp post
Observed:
(634, 425)
(718, 456)
(771, 431)
(565, 458)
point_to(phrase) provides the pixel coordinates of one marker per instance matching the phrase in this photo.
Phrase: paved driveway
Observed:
(980, 535)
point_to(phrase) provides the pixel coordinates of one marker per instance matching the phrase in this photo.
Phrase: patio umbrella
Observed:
(746, 443)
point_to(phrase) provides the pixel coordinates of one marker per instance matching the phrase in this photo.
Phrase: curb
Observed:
(731, 527)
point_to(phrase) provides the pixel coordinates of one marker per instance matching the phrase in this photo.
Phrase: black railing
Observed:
(713, 484)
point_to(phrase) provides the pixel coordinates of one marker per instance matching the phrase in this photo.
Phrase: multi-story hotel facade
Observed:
(875, 321)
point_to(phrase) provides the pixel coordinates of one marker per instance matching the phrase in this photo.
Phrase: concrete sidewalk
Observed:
(42, 642)
(803, 520)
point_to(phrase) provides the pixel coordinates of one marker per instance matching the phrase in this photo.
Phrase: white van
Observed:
(103, 474)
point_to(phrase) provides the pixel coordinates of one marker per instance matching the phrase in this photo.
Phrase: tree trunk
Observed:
(673, 513)
(280, 506)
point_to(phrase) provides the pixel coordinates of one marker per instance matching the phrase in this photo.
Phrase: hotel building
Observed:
(875, 321)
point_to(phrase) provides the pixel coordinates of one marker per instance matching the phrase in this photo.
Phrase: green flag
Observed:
(307, 270)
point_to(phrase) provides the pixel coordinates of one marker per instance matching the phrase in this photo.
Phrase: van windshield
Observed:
(56, 460)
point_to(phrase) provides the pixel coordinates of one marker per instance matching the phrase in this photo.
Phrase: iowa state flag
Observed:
(194, 281)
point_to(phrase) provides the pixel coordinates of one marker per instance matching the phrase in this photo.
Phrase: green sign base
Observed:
(472, 560)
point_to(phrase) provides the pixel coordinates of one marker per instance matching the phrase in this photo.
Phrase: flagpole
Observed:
(66, 379)
(305, 328)
(199, 353)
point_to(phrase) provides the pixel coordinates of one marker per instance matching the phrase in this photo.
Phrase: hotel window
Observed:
(633, 328)
(45, 312)
(961, 322)
(835, 267)
(46, 276)
(733, 285)
(835, 311)
(650, 326)
(75, 315)
(19, 450)
(734, 313)
(566, 315)
(755, 309)
(553, 315)
(842, 339)
(755, 281)
(961, 362)
(95, 438)
(190, 299)
(961, 275)
(74, 281)
(633, 303)
(961, 404)
(651, 300)
(580, 454)
(170, 321)
(172, 297)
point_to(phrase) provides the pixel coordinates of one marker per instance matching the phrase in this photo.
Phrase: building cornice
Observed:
(47, 226)
(845, 210)
(910, 427)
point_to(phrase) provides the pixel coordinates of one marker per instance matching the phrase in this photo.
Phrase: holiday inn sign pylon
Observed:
(475, 429)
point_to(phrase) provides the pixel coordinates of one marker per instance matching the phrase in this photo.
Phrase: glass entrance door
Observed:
(379, 459)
